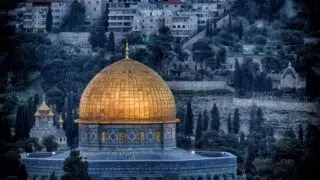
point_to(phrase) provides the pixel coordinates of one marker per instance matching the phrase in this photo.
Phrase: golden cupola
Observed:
(127, 92)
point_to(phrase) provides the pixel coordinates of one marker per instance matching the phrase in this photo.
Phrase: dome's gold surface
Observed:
(127, 92)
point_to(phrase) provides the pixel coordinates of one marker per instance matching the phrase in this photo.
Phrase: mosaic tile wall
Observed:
(100, 137)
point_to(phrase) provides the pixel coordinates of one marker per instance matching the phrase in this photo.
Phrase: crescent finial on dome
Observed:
(127, 50)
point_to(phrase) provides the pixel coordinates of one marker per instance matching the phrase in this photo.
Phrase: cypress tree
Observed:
(252, 120)
(229, 124)
(49, 20)
(105, 18)
(5, 130)
(30, 110)
(69, 120)
(300, 133)
(236, 121)
(215, 118)
(20, 123)
(260, 118)
(180, 125)
(237, 76)
(188, 121)
(250, 157)
(22, 174)
(205, 120)
(198, 132)
(111, 43)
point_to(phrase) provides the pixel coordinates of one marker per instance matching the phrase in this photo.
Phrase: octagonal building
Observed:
(127, 130)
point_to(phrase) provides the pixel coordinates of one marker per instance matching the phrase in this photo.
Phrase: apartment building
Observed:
(35, 15)
(121, 15)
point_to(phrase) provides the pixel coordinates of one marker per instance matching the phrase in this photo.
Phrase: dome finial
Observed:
(43, 99)
(289, 64)
(127, 50)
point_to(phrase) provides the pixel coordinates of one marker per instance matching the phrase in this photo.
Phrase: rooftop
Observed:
(143, 155)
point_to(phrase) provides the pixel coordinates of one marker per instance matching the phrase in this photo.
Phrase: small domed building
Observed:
(44, 125)
(127, 130)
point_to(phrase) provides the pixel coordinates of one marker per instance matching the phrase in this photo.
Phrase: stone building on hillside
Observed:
(289, 79)
(94, 10)
(44, 125)
(181, 26)
(35, 15)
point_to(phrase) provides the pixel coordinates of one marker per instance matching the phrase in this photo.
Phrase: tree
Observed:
(97, 38)
(74, 167)
(111, 43)
(75, 17)
(290, 134)
(22, 174)
(135, 38)
(250, 158)
(215, 118)
(49, 20)
(105, 18)
(188, 121)
(49, 143)
(198, 132)
(160, 45)
(260, 118)
(221, 55)
(21, 123)
(5, 130)
(202, 52)
(53, 176)
(237, 76)
(205, 120)
(300, 133)
(229, 124)
(236, 121)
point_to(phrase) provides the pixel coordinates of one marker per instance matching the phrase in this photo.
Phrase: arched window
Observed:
(199, 178)
(215, 177)
(179, 26)
(60, 139)
(174, 26)
(183, 26)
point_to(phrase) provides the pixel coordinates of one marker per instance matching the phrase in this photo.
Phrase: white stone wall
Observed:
(79, 39)
(197, 85)
(278, 105)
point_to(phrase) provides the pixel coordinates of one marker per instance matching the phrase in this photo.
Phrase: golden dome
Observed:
(127, 92)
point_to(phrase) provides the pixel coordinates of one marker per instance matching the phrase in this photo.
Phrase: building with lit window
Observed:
(127, 130)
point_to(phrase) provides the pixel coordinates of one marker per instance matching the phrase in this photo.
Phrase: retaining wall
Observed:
(279, 105)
